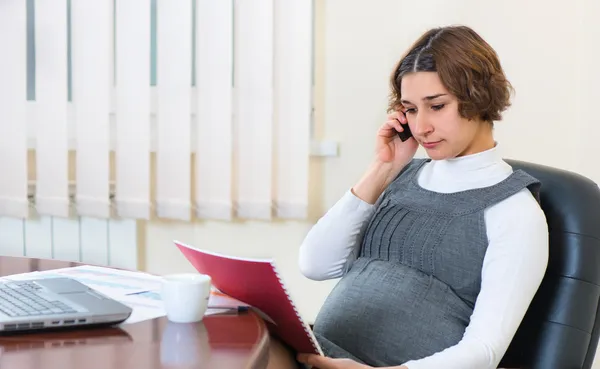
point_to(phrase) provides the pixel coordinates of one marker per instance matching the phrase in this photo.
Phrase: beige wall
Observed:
(545, 47)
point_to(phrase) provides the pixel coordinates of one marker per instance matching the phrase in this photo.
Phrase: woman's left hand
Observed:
(322, 362)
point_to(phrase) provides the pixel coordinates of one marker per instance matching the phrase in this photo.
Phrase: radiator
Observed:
(107, 242)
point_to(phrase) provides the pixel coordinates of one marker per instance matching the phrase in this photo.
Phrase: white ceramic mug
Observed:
(185, 296)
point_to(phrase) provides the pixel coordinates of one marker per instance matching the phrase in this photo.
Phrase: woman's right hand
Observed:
(392, 156)
(389, 147)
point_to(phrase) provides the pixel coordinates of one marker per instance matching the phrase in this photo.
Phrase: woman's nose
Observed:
(422, 125)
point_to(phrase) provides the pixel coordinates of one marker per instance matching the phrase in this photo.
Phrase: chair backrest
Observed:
(561, 327)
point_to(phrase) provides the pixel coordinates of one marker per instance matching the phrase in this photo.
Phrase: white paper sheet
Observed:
(145, 306)
(111, 282)
(123, 286)
(138, 290)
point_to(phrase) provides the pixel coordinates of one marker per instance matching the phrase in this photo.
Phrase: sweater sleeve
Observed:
(513, 268)
(333, 242)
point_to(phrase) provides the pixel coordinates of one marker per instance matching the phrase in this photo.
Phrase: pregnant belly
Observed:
(386, 313)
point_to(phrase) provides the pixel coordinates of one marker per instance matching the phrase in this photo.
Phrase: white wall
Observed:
(544, 46)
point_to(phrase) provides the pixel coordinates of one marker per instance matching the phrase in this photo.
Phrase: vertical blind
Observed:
(174, 109)
(13, 112)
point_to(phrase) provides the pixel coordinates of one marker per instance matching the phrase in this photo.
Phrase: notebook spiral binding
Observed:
(307, 329)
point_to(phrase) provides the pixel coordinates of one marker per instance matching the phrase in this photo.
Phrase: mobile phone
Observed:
(406, 134)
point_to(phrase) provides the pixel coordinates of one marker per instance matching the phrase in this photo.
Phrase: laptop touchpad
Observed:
(63, 285)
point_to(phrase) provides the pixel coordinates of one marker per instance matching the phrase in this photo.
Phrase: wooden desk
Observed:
(226, 341)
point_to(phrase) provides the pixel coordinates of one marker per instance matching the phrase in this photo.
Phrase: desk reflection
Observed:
(185, 344)
(63, 338)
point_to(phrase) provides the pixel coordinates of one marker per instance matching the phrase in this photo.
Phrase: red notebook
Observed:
(258, 284)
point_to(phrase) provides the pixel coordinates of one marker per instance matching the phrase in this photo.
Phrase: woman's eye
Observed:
(438, 107)
(410, 111)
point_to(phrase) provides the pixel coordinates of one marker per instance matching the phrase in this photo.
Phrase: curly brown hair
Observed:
(467, 66)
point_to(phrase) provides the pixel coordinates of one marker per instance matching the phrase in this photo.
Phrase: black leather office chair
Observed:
(561, 327)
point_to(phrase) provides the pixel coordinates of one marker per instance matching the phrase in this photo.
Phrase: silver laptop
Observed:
(36, 304)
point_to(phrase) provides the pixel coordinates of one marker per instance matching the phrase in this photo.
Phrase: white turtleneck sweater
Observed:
(513, 267)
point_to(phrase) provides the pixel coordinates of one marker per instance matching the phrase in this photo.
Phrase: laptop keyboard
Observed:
(19, 299)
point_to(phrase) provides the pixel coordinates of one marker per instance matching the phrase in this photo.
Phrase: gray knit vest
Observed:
(413, 287)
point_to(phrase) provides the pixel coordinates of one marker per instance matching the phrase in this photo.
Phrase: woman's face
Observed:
(435, 122)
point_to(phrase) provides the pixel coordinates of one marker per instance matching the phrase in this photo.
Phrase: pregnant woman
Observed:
(438, 258)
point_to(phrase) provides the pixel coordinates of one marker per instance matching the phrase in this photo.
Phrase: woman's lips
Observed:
(431, 144)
